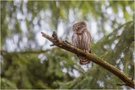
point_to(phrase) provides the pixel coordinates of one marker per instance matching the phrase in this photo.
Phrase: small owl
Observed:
(81, 39)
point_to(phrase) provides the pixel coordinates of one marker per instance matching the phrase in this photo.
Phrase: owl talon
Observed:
(90, 51)
(66, 42)
(52, 45)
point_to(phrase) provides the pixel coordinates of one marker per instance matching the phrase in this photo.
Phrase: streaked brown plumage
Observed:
(81, 39)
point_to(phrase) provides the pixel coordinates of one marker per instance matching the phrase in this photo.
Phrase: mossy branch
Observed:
(69, 47)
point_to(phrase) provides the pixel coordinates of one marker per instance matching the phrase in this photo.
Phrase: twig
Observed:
(25, 52)
(121, 84)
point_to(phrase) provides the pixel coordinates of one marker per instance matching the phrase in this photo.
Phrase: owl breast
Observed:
(82, 41)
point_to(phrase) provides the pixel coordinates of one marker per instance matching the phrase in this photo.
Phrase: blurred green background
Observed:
(28, 62)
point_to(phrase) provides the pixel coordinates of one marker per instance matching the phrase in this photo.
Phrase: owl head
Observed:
(79, 27)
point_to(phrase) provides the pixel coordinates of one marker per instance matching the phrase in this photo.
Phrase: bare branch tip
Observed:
(54, 35)
(42, 33)
(52, 45)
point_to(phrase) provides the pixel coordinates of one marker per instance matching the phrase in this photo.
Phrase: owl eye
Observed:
(78, 27)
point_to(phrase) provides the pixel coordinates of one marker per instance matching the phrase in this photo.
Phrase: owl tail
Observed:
(84, 61)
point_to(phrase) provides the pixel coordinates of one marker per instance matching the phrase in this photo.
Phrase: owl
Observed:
(81, 39)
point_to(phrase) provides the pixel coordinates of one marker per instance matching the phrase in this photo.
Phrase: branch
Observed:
(69, 47)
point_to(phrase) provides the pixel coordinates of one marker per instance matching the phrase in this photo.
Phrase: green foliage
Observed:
(6, 84)
(21, 22)
(28, 71)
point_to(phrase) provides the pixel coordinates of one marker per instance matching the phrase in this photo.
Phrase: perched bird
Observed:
(81, 39)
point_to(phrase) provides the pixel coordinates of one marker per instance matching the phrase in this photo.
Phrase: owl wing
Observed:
(86, 40)
(90, 38)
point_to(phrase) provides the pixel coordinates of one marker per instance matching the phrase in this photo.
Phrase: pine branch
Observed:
(25, 52)
(69, 47)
